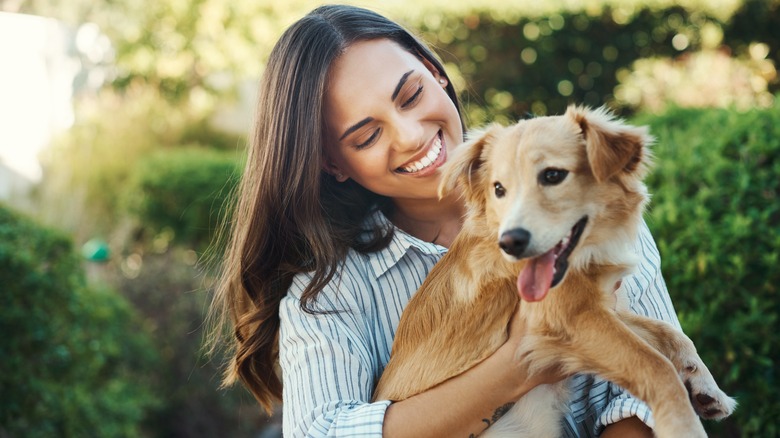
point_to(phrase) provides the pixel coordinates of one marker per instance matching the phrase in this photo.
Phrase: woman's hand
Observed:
(517, 331)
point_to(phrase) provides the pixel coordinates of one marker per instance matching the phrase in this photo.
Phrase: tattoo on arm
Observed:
(496, 416)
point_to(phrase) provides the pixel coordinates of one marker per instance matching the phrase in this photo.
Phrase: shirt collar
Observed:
(402, 242)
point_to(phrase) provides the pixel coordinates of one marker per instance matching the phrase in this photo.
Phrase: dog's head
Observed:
(557, 191)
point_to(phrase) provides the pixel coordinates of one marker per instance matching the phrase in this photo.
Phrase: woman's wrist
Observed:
(514, 376)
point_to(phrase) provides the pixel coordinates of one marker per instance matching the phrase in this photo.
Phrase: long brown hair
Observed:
(289, 215)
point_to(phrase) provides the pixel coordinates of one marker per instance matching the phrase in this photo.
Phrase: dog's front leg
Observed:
(598, 342)
(708, 400)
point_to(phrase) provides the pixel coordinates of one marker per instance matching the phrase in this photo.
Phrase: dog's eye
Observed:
(551, 177)
(500, 190)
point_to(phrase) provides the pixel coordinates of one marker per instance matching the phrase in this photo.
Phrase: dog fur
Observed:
(460, 314)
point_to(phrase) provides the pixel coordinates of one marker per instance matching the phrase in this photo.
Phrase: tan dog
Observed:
(554, 203)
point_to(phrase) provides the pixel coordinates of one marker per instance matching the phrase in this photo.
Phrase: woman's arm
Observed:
(468, 403)
(328, 372)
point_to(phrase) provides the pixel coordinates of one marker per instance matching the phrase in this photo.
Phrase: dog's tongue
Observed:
(535, 279)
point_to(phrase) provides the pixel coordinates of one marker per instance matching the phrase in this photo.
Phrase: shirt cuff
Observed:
(351, 420)
(622, 406)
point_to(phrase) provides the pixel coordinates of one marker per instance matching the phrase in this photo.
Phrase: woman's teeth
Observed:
(427, 160)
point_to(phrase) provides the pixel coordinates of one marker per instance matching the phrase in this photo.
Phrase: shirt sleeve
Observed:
(647, 295)
(328, 369)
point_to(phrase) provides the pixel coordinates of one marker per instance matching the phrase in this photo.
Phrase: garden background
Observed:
(106, 262)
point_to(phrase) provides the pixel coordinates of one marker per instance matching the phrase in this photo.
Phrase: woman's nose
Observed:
(408, 134)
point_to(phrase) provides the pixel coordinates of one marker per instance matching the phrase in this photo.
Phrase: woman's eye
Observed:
(411, 100)
(367, 143)
(552, 176)
(499, 189)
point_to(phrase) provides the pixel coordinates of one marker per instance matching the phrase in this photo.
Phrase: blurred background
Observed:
(123, 126)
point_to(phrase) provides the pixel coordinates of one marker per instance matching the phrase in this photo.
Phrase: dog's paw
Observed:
(707, 399)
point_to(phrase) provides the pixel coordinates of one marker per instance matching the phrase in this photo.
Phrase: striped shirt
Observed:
(331, 362)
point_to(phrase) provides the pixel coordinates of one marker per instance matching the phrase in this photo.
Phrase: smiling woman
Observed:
(338, 222)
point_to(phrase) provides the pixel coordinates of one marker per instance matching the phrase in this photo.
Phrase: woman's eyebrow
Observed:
(400, 84)
(355, 127)
(361, 123)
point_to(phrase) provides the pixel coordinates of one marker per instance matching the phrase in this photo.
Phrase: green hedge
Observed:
(74, 359)
(182, 191)
(172, 295)
(716, 216)
(539, 62)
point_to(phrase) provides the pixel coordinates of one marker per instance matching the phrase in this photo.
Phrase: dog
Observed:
(553, 209)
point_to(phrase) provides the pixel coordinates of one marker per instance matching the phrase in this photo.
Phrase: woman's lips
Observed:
(428, 164)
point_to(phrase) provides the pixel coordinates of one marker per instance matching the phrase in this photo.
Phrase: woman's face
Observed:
(390, 121)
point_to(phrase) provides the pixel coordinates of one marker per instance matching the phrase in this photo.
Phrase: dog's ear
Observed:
(612, 147)
(462, 169)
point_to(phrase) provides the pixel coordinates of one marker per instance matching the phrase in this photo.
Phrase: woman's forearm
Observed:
(466, 404)
(461, 406)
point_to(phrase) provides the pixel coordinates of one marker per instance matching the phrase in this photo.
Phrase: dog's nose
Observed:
(515, 241)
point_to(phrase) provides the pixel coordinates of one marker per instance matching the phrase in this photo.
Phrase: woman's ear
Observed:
(333, 169)
(439, 76)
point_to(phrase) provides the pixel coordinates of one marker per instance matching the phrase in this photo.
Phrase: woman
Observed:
(337, 224)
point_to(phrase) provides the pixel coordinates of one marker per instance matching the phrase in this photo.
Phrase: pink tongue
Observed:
(534, 282)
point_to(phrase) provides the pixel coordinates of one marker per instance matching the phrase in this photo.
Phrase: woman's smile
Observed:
(432, 158)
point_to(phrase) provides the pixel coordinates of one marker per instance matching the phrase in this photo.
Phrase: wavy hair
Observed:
(289, 216)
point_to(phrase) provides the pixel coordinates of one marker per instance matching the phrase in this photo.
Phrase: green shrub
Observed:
(538, 59)
(716, 216)
(88, 169)
(181, 191)
(74, 358)
(171, 293)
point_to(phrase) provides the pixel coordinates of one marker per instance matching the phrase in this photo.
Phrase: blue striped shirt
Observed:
(331, 362)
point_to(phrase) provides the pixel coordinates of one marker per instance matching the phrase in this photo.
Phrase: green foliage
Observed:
(185, 49)
(182, 191)
(170, 292)
(539, 62)
(716, 216)
(74, 358)
(88, 171)
(756, 20)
